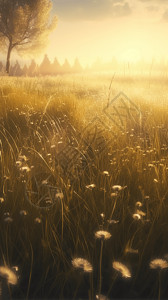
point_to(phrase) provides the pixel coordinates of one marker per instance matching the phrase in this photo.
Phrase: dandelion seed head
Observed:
(2, 200)
(158, 263)
(25, 169)
(150, 165)
(106, 173)
(90, 186)
(23, 212)
(7, 273)
(117, 188)
(59, 195)
(113, 221)
(8, 220)
(82, 264)
(138, 204)
(102, 234)
(136, 217)
(118, 266)
(37, 220)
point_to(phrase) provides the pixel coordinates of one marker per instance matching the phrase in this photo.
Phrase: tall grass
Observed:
(58, 187)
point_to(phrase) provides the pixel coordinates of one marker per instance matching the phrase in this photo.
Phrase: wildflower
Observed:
(102, 234)
(125, 272)
(158, 263)
(82, 264)
(8, 274)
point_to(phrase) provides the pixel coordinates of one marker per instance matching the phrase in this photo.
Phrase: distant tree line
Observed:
(55, 68)
(45, 68)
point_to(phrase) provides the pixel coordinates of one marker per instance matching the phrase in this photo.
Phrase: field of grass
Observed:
(84, 199)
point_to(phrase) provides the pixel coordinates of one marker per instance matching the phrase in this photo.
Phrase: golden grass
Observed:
(59, 185)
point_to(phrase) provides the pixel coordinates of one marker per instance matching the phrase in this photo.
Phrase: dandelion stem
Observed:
(100, 271)
(159, 292)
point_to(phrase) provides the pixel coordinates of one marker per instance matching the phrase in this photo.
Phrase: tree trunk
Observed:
(8, 58)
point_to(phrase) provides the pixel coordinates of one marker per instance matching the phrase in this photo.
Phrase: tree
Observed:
(77, 68)
(16, 70)
(25, 70)
(24, 25)
(55, 67)
(1, 66)
(45, 67)
(66, 68)
(32, 70)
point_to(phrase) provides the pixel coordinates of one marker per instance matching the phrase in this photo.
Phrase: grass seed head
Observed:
(121, 268)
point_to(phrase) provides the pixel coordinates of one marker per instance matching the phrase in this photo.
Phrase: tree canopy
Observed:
(25, 25)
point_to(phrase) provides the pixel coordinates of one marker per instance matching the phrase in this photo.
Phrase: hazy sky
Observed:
(127, 29)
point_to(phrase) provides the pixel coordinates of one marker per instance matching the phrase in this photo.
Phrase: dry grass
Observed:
(59, 186)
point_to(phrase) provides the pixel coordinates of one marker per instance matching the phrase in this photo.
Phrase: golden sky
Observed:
(129, 30)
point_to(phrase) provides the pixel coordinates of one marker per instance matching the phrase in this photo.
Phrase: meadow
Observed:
(83, 187)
